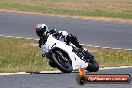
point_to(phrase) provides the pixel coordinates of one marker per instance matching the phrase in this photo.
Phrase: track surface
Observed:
(93, 32)
(57, 80)
(101, 33)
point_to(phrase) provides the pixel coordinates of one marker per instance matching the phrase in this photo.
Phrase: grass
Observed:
(21, 55)
(111, 57)
(105, 8)
(18, 55)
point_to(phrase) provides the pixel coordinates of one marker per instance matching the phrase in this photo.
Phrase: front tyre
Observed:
(61, 61)
(93, 66)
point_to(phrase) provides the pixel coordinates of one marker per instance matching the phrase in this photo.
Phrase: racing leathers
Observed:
(60, 35)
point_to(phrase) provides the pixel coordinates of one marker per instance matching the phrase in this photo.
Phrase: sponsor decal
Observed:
(83, 78)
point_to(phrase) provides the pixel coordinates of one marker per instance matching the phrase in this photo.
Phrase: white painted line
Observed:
(97, 46)
(109, 68)
(128, 49)
(18, 37)
(106, 47)
(105, 68)
(29, 38)
(1, 35)
(24, 73)
(89, 45)
(116, 48)
(81, 44)
(19, 73)
(36, 39)
(58, 71)
(9, 36)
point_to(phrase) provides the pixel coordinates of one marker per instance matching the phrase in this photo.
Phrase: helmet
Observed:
(41, 29)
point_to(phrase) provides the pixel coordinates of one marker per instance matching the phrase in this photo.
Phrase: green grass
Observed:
(21, 55)
(18, 55)
(103, 8)
(112, 57)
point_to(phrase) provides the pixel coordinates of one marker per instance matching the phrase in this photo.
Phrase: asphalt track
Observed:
(58, 80)
(92, 32)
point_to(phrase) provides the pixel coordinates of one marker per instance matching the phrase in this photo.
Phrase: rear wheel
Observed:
(52, 64)
(61, 61)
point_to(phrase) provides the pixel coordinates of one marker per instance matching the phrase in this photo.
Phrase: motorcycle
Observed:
(67, 58)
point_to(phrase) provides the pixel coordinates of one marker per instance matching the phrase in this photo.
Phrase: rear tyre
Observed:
(52, 64)
(61, 61)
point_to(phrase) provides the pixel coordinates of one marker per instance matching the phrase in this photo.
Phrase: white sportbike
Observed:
(67, 58)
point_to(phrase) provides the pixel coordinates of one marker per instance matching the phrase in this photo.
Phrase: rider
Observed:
(43, 32)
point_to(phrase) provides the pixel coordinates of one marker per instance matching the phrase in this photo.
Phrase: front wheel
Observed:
(62, 61)
(93, 66)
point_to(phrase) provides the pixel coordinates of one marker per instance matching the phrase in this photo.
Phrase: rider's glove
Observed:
(52, 31)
